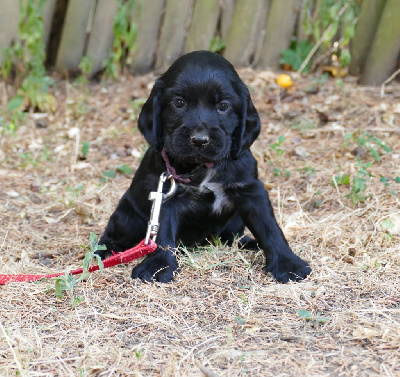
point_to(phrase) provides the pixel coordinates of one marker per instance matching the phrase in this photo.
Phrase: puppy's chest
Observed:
(210, 193)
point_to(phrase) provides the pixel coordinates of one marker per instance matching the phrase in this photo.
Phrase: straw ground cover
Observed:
(61, 176)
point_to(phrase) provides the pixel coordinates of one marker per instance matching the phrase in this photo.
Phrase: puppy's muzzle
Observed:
(199, 139)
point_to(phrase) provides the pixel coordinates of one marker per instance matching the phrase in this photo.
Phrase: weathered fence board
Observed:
(247, 23)
(228, 9)
(368, 21)
(73, 37)
(385, 48)
(101, 36)
(9, 19)
(300, 28)
(48, 18)
(258, 31)
(278, 31)
(203, 26)
(148, 30)
(173, 31)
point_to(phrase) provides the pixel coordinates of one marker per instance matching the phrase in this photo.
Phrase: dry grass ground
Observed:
(221, 316)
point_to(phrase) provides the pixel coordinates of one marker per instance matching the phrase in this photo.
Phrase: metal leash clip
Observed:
(158, 197)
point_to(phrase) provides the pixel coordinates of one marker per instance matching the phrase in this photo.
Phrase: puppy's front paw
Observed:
(285, 268)
(156, 267)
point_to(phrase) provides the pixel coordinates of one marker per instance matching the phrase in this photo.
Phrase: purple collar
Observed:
(171, 170)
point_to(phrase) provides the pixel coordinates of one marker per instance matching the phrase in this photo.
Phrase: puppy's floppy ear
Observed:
(150, 123)
(249, 128)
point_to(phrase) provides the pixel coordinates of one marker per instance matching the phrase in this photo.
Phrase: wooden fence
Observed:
(255, 32)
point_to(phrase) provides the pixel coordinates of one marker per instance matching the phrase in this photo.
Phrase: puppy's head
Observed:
(200, 111)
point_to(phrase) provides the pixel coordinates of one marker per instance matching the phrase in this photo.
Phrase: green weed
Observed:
(303, 124)
(85, 66)
(277, 146)
(359, 182)
(124, 45)
(137, 107)
(296, 54)
(24, 61)
(277, 158)
(327, 18)
(11, 120)
(217, 44)
(68, 282)
(363, 144)
(309, 170)
(314, 319)
(75, 191)
(85, 149)
(343, 179)
(321, 22)
(369, 143)
(112, 173)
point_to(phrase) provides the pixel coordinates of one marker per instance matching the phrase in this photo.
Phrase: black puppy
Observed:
(200, 122)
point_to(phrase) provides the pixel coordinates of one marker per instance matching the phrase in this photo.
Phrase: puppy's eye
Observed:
(222, 107)
(179, 103)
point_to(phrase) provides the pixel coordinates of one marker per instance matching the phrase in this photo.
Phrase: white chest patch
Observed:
(221, 200)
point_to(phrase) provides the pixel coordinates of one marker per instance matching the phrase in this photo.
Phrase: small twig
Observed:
(77, 142)
(4, 239)
(337, 189)
(388, 80)
(316, 46)
(207, 372)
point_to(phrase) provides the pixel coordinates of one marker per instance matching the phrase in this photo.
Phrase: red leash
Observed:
(127, 256)
(147, 246)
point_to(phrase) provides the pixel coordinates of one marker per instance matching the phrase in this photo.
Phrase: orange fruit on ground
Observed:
(284, 80)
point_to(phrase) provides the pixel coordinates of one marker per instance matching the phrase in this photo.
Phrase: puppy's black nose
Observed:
(199, 140)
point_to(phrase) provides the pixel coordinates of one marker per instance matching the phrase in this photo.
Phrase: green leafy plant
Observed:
(124, 45)
(296, 54)
(85, 66)
(25, 59)
(11, 119)
(373, 144)
(363, 144)
(112, 173)
(85, 149)
(124, 169)
(277, 146)
(314, 319)
(68, 282)
(217, 44)
(75, 191)
(309, 170)
(136, 107)
(327, 17)
(359, 182)
(303, 125)
(342, 179)
(278, 158)
(329, 26)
